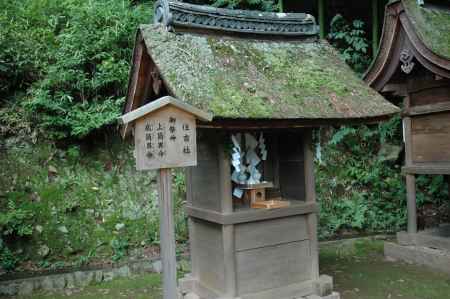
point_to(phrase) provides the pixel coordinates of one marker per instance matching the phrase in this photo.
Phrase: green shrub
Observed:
(351, 40)
(72, 57)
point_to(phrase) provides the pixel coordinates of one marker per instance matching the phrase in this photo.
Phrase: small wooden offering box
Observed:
(256, 195)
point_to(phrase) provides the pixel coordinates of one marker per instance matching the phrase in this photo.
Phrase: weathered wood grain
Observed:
(431, 138)
(273, 267)
(172, 150)
(270, 232)
(167, 234)
(251, 214)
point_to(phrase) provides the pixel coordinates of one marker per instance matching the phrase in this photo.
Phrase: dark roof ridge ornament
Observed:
(185, 17)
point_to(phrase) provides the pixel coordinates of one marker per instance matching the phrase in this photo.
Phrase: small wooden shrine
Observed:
(267, 80)
(414, 63)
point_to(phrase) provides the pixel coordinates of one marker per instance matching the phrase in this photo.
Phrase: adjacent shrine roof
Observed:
(432, 24)
(247, 66)
(412, 34)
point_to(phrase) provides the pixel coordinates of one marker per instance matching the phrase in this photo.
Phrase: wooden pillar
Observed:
(375, 27)
(281, 7)
(410, 178)
(226, 200)
(310, 190)
(322, 19)
(167, 234)
(412, 205)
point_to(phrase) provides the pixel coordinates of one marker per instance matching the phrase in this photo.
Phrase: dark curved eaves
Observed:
(400, 34)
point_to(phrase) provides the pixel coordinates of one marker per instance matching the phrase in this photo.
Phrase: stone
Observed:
(43, 250)
(157, 266)
(70, 281)
(8, 289)
(83, 279)
(47, 284)
(191, 296)
(334, 295)
(98, 276)
(26, 288)
(59, 282)
(123, 271)
(108, 275)
(324, 285)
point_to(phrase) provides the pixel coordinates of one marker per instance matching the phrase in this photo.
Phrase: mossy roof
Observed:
(241, 78)
(432, 25)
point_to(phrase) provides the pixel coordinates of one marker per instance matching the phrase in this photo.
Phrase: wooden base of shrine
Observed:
(270, 204)
(311, 289)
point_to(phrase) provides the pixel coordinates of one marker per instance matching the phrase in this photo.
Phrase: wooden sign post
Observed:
(165, 137)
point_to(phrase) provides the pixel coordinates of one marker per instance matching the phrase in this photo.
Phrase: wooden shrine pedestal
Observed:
(253, 253)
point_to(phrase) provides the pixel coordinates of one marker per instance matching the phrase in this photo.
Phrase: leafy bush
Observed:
(359, 181)
(73, 56)
(350, 39)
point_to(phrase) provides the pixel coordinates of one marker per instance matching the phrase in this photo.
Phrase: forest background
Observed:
(69, 193)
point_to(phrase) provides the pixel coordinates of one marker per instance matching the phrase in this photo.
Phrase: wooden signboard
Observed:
(165, 137)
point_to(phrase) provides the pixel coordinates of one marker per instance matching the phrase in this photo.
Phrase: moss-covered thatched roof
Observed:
(241, 78)
(432, 24)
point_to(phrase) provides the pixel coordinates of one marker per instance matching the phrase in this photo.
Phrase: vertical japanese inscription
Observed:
(186, 139)
(167, 139)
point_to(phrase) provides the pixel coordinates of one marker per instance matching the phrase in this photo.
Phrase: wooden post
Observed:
(310, 190)
(412, 208)
(375, 25)
(167, 234)
(321, 4)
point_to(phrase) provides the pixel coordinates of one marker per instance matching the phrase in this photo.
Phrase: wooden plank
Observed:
(210, 255)
(167, 234)
(411, 203)
(431, 96)
(270, 232)
(161, 102)
(428, 109)
(226, 198)
(229, 260)
(272, 267)
(157, 146)
(251, 214)
(205, 176)
(310, 188)
(427, 168)
(431, 138)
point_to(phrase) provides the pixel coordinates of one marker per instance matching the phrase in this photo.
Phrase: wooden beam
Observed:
(427, 109)
(428, 168)
(310, 190)
(251, 215)
(322, 18)
(375, 27)
(411, 203)
(167, 234)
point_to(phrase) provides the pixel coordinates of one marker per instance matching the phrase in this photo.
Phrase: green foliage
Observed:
(120, 247)
(359, 182)
(72, 57)
(351, 40)
(76, 201)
